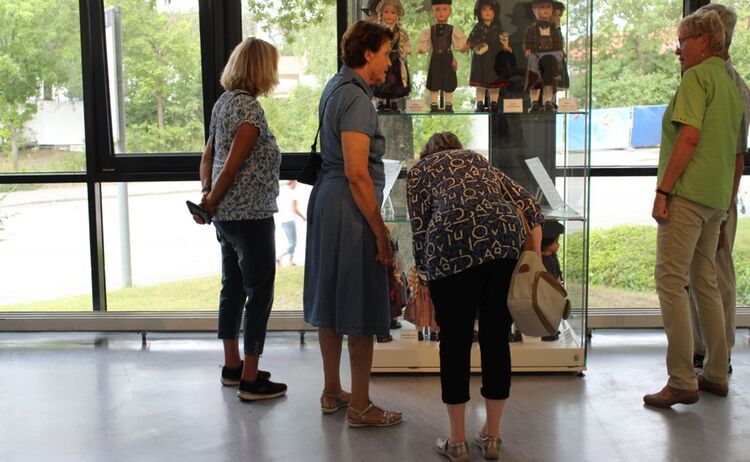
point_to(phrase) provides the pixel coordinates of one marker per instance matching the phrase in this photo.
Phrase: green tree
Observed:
(161, 73)
(634, 60)
(35, 61)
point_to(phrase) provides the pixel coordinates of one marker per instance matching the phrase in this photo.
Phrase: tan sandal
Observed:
(389, 418)
(336, 402)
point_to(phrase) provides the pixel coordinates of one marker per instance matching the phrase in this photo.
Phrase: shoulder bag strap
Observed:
(314, 147)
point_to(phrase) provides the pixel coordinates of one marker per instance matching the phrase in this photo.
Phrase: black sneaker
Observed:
(230, 376)
(395, 324)
(260, 389)
(697, 361)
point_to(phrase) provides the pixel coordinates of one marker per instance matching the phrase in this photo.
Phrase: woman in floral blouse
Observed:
(468, 236)
(239, 174)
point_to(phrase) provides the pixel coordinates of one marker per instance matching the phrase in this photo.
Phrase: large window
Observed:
(154, 70)
(41, 109)
(153, 67)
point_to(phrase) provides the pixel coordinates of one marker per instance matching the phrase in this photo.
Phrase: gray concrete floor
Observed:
(107, 397)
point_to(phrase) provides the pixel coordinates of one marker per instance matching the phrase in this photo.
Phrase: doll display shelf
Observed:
(536, 150)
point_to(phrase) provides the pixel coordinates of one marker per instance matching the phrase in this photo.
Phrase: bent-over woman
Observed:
(468, 235)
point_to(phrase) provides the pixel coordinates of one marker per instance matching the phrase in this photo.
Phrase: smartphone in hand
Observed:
(199, 210)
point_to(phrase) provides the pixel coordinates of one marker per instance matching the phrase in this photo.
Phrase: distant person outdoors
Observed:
(725, 275)
(694, 188)
(467, 237)
(348, 253)
(288, 213)
(239, 173)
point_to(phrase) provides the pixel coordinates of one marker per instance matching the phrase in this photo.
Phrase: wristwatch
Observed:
(662, 192)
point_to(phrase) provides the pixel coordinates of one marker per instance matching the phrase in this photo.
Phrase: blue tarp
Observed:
(646, 126)
(610, 129)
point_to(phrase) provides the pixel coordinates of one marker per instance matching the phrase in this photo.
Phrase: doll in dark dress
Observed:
(492, 55)
(551, 231)
(397, 83)
(543, 46)
(440, 40)
(557, 11)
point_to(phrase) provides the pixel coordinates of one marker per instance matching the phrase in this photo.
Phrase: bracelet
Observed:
(662, 192)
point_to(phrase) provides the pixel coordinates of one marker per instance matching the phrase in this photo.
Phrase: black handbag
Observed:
(309, 173)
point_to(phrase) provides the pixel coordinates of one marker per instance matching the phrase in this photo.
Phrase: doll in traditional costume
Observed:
(440, 40)
(397, 83)
(557, 11)
(371, 10)
(492, 55)
(419, 309)
(543, 46)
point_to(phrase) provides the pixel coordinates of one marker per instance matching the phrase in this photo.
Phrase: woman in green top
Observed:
(694, 185)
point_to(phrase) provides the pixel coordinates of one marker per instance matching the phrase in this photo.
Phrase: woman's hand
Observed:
(207, 204)
(385, 252)
(660, 212)
(454, 64)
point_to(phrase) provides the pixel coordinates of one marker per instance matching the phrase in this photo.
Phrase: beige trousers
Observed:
(685, 254)
(727, 286)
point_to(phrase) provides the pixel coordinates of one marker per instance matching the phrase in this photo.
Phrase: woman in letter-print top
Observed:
(463, 213)
(253, 193)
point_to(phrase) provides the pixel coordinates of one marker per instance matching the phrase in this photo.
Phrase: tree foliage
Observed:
(161, 73)
(36, 60)
(634, 60)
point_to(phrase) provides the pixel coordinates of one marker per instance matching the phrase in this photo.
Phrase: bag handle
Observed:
(314, 147)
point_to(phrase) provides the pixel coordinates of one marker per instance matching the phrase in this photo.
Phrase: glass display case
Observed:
(545, 151)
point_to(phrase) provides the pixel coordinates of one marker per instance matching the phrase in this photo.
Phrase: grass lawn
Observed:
(200, 294)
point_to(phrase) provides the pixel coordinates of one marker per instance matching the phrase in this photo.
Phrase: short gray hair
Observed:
(706, 22)
(728, 18)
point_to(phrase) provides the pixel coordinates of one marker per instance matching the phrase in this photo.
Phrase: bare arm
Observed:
(534, 241)
(682, 152)
(207, 160)
(244, 141)
(296, 210)
(356, 147)
(204, 172)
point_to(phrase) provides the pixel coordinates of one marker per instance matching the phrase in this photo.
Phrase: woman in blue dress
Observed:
(348, 253)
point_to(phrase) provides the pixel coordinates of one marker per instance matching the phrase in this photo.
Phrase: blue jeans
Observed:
(248, 269)
(290, 229)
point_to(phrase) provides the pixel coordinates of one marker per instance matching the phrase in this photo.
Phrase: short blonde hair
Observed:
(253, 67)
(440, 141)
(728, 18)
(705, 22)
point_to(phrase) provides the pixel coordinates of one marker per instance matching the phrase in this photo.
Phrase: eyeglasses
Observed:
(681, 41)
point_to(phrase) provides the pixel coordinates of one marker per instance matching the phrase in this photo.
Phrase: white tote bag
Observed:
(537, 301)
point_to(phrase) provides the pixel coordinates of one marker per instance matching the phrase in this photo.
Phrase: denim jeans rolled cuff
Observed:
(248, 270)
